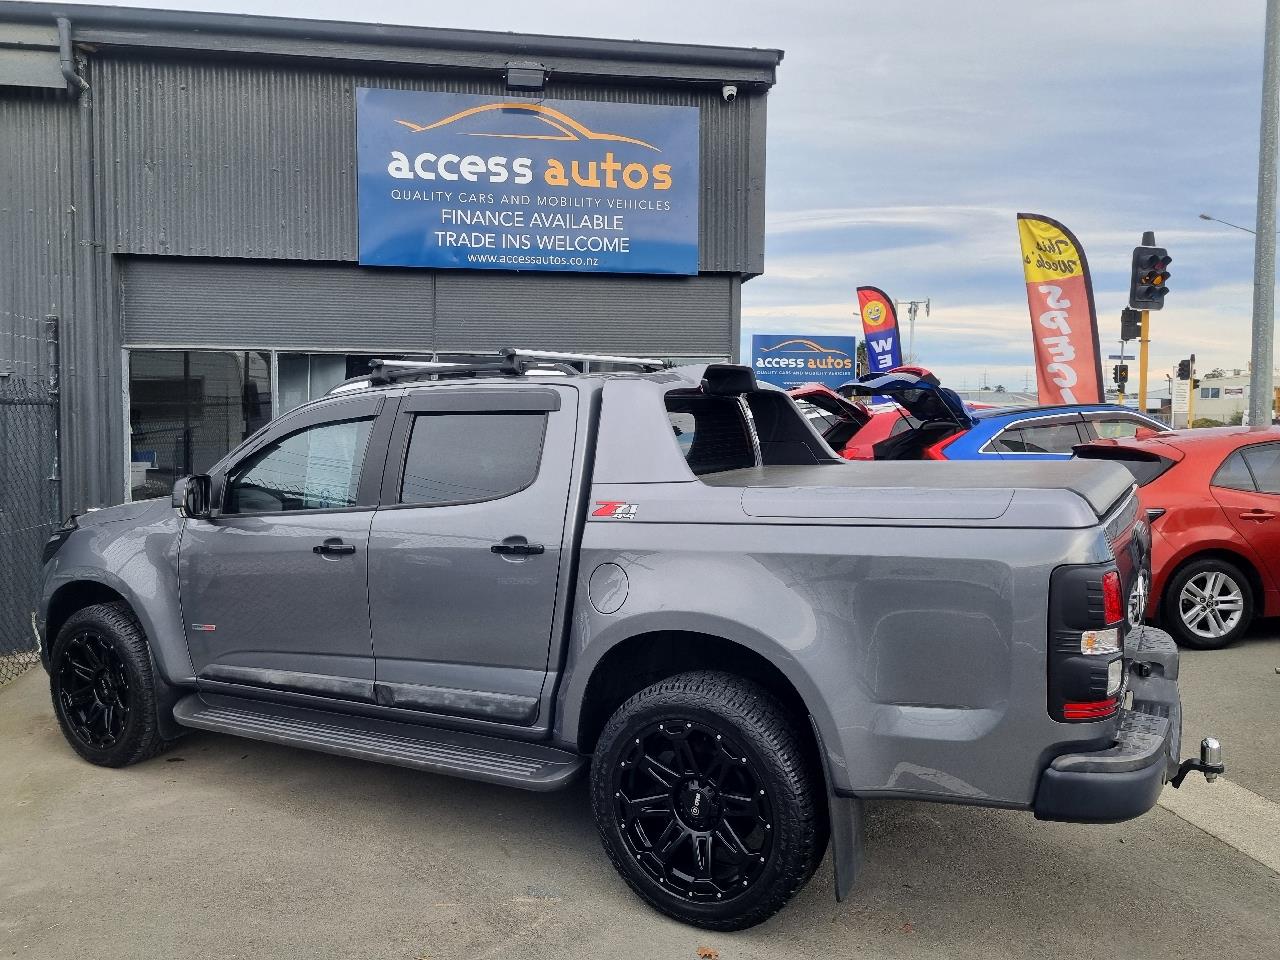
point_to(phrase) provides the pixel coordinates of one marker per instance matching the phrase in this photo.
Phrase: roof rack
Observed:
(509, 362)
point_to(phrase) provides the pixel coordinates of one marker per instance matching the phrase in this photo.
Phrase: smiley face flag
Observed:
(879, 329)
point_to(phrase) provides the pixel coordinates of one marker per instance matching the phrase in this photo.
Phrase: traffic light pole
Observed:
(1142, 362)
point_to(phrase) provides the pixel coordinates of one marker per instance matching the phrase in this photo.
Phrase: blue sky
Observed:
(903, 138)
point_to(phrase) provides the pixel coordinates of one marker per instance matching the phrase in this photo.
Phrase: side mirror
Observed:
(191, 496)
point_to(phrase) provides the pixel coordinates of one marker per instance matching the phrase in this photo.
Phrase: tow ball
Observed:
(1210, 763)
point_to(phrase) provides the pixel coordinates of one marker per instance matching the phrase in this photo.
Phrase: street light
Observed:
(1205, 216)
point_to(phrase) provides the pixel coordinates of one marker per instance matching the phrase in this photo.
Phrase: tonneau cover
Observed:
(960, 490)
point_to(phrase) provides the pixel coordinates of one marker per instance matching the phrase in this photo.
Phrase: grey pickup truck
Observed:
(506, 569)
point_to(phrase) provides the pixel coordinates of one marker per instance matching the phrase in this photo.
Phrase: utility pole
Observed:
(912, 307)
(1264, 249)
(1191, 395)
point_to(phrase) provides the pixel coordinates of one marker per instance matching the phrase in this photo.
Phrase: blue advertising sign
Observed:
(788, 361)
(496, 182)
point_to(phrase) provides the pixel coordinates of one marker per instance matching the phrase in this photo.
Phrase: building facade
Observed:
(187, 235)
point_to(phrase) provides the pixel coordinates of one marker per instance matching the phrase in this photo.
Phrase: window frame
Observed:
(341, 411)
(519, 399)
(1049, 420)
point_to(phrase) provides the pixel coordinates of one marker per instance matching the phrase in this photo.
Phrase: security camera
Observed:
(729, 92)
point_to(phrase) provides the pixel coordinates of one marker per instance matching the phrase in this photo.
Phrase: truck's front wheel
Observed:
(103, 689)
(705, 800)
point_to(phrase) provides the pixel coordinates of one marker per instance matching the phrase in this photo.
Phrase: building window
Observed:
(187, 408)
(1210, 393)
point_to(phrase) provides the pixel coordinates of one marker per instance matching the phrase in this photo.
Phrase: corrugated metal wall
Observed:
(207, 158)
(182, 301)
(36, 284)
(186, 302)
(36, 222)
(666, 316)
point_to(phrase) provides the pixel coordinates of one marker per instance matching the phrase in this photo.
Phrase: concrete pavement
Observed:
(231, 848)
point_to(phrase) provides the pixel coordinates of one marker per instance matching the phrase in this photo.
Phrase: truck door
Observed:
(274, 586)
(466, 549)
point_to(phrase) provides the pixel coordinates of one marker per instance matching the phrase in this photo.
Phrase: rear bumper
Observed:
(1124, 780)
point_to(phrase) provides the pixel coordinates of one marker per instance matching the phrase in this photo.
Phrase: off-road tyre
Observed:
(735, 732)
(106, 640)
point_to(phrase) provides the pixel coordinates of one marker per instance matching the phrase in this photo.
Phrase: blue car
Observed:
(935, 424)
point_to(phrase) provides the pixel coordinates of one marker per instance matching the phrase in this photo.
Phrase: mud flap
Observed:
(848, 828)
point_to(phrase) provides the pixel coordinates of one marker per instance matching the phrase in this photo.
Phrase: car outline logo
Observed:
(570, 129)
(804, 346)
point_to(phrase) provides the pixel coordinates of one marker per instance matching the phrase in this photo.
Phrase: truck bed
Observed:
(925, 490)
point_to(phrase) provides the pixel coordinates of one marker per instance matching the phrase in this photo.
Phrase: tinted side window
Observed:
(467, 457)
(314, 469)
(1009, 441)
(1051, 438)
(712, 433)
(1264, 462)
(1233, 474)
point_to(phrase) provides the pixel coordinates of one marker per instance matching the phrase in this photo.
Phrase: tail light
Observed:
(1086, 642)
(935, 451)
(1112, 607)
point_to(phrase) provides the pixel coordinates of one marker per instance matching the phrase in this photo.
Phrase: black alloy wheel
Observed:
(92, 689)
(707, 801)
(693, 810)
(104, 688)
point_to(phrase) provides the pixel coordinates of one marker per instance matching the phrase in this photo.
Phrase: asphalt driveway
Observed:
(231, 848)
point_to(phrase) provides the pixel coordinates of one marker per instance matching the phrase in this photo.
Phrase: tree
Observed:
(1215, 373)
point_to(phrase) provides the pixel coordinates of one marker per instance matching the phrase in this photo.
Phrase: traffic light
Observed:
(1120, 374)
(1130, 324)
(1184, 369)
(1195, 383)
(1149, 278)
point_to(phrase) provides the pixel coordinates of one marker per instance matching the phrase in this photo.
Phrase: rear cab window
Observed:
(712, 432)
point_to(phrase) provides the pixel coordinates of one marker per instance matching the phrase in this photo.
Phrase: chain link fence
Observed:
(29, 508)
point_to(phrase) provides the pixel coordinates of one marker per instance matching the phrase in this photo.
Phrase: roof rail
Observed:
(645, 363)
(509, 362)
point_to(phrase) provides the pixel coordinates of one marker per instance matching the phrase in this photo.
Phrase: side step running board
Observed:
(530, 766)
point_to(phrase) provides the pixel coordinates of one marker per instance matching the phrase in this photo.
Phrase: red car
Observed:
(851, 429)
(1212, 497)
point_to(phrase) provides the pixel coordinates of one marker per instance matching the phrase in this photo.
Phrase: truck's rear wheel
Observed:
(705, 800)
(102, 686)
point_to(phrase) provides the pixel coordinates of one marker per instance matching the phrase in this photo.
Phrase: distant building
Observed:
(1225, 399)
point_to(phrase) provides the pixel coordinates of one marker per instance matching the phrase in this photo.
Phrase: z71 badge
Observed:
(615, 509)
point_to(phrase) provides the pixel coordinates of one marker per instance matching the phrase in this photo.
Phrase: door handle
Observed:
(517, 547)
(1261, 516)
(334, 547)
